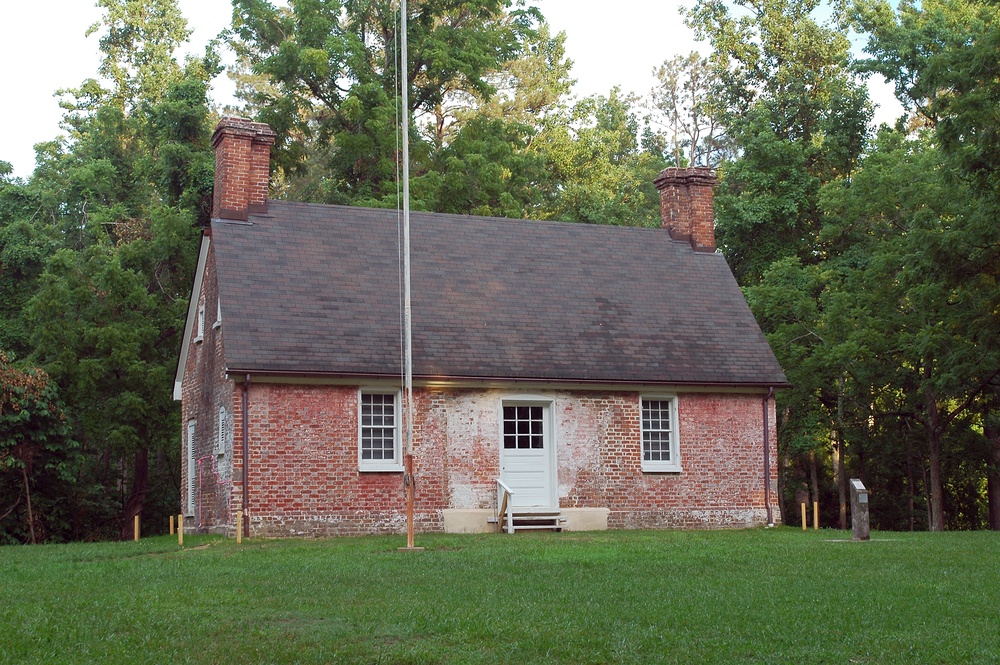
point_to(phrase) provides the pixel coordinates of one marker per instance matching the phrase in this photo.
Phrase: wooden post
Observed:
(815, 514)
(803, 516)
(136, 528)
(171, 525)
(239, 527)
(180, 530)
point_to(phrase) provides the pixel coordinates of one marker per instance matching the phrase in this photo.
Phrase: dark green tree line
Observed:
(870, 261)
(106, 241)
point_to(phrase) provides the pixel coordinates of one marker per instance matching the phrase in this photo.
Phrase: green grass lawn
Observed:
(761, 596)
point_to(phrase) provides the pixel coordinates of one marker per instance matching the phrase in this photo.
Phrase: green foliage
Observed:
(99, 260)
(324, 75)
(597, 168)
(872, 266)
(38, 457)
(486, 170)
(799, 116)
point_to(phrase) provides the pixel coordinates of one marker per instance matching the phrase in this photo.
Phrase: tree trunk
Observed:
(937, 484)
(136, 499)
(841, 472)
(841, 457)
(813, 477)
(993, 476)
(910, 483)
(27, 496)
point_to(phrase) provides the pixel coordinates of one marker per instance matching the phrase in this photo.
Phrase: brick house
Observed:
(607, 376)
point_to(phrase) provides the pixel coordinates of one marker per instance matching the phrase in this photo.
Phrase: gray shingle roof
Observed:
(315, 289)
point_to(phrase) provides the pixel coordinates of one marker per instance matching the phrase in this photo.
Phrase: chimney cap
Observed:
(258, 132)
(691, 175)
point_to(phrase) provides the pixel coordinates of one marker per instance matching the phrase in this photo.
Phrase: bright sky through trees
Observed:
(610, 43)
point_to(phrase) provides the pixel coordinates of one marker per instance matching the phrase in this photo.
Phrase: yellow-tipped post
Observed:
(135, 528)
(815, 514)
(180, 530)
(171, 525)
(239, 527)
(803, 516)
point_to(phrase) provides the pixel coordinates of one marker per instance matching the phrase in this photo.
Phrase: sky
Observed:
(608, 48)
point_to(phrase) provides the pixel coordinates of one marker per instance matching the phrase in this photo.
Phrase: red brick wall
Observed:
(304, 477)
(203, 391)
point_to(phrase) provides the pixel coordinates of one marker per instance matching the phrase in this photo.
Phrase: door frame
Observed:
(548, 405)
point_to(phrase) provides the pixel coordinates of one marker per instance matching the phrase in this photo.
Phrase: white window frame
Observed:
(673, 465)
(201, 324)
(395, 464)
(220, 442)
(192, 428)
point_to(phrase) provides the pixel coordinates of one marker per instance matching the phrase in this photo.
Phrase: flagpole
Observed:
(407, 312)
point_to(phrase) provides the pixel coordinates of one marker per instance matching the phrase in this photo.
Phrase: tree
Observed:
(685, 105)
(35, 451)
(941, 57)
(126, 191)
(599, 172)
(798, 115)
(324, 74)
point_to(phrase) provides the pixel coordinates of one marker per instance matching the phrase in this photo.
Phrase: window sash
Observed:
(191, 428)
(658, 425)
(523, 427)
(220, 443)
(378, 440)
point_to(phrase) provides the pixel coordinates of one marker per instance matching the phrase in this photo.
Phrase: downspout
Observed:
(767, 458)
(246, 462)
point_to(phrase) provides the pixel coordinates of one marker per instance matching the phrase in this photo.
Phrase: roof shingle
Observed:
(316, 289)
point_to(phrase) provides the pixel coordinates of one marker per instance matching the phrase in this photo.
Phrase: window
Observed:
(660, 451)
(222, 440)
(522, 427)
(192, 424)
(379, 432)
(201, 324)
(218, 315)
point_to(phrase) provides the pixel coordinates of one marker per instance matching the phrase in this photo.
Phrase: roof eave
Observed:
(199, 277)
(444, 379)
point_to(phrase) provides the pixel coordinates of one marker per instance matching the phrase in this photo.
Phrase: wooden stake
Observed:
(171, 525)
(239, 527)
(136, 528)
(803, 516)
(180, 530)
(815, 515)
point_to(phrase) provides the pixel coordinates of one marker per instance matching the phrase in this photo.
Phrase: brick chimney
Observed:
(686, 207)
(242, 168)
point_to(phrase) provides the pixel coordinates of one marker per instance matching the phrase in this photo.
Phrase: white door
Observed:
(526, 460)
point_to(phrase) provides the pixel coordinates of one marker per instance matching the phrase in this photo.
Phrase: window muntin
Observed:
(379, 432)
(660, 449)
(523, 427)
